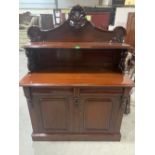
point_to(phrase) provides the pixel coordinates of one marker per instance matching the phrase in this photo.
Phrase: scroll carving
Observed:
(124, 64)
(31, 56)
(119, 33)
(34, 33)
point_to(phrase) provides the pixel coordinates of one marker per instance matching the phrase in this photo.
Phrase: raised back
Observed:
(77, 28)
(76, 45)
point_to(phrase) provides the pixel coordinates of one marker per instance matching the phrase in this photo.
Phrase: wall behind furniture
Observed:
(122, 15)
(23, 4)
(70, 3)
(36, 4)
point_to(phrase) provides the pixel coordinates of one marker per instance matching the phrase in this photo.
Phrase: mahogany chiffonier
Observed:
(76, 87)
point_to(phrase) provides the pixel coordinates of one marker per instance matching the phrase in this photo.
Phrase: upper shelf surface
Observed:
(78, 45)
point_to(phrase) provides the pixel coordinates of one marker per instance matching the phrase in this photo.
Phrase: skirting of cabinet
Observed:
(76, 137)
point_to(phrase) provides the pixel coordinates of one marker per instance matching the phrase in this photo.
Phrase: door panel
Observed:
(55, 113)
(77, 113)
(96, 114)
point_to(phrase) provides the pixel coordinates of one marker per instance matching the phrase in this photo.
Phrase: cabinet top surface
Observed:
(77, 45)
(76, 79)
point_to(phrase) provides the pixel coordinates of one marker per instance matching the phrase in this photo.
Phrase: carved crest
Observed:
(77, 17)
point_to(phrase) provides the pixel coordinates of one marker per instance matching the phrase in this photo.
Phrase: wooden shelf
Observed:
(76, 79)
(78, 45)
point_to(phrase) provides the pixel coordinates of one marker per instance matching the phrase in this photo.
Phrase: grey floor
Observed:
(28, 147)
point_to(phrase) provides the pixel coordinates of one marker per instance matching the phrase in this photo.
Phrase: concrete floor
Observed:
(28, 147)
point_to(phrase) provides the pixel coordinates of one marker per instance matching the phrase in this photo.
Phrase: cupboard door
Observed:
(96, 114)
(54, 113)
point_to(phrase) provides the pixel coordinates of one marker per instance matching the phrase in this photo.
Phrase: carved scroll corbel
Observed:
(124, 64)
(34, 33)
(125, 101)
(119, 34)
(125, 104)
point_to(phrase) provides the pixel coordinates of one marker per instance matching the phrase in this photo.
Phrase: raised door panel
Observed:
(96, 114)
(53, 113)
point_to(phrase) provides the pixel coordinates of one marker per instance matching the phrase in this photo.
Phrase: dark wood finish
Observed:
(130, 37)
(57, 109)
(76, 137)
(75, 35)
(89, 105)
(75, 89)
(77, 29)
(96, 113)
(77, 45)
(75, 112)
(76, 59)
(84, 112)
(46, 50)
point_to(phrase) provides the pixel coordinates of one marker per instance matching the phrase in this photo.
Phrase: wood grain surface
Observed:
(76, 79)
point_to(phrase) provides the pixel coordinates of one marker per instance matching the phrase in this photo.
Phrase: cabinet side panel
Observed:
(32, 109)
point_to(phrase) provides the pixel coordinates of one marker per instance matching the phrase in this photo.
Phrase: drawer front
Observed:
(101, 90)
(76, 91)
(52, 91)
